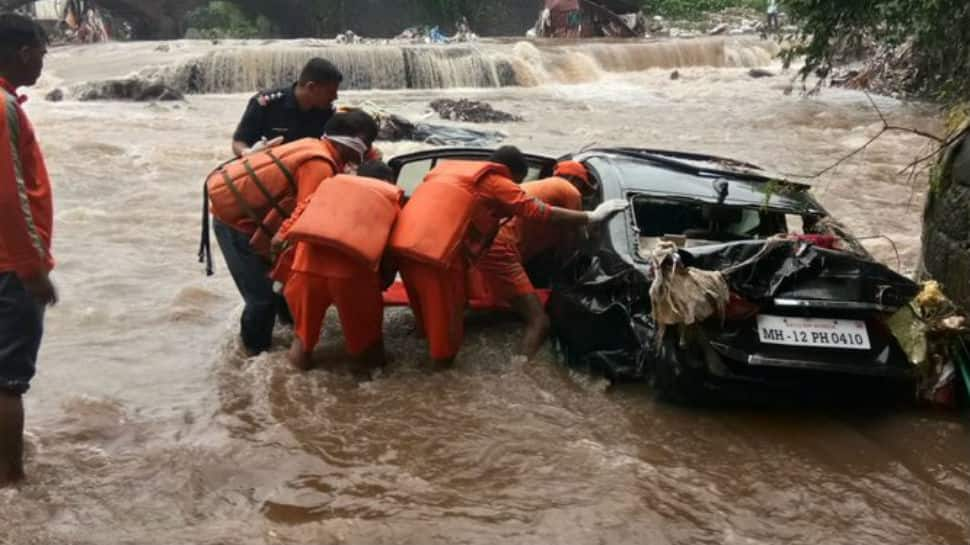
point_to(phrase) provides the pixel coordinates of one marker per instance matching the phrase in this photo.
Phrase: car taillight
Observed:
(739, 308)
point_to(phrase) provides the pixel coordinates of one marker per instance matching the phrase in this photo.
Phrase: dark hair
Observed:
(366, 123)
(320, 71)
(376, 169)
(511, 157)
(18, 31)
(356, 123)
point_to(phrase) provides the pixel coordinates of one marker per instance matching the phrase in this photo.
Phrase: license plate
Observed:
(814, 332)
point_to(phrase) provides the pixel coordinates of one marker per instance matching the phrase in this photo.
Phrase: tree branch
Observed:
(943, 146)
(835, 165)
(888, 127)
(876, 108)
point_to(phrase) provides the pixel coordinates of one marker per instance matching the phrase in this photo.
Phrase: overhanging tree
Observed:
(937, 31)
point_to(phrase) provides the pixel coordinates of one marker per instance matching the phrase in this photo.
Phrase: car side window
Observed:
(535, 172)
(412, 174)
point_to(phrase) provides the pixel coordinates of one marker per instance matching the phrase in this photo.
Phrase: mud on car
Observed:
(807, 306)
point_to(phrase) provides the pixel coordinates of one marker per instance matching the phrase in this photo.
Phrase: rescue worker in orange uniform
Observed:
(450, 221)
(337, 261)
(252, 196)
(521, 240)
(26, 229)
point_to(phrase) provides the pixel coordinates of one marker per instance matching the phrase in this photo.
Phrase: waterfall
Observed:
(244, 67)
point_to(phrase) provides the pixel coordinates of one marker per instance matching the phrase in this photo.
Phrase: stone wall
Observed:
(946, 230)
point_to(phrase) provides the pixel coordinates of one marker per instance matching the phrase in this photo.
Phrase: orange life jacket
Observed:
(448, 214)
(258, 192)
(351, 214)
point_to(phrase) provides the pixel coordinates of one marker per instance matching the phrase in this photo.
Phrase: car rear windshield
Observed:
(701, 221)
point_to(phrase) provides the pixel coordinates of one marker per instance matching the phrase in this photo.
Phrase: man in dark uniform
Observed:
(290, 113)
(275, 117)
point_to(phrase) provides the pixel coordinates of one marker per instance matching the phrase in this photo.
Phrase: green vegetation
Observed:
(223, 19)
(692, 9)
(938, 32)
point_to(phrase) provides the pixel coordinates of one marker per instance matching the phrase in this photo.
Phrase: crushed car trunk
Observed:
(601, 308)
(789, 269)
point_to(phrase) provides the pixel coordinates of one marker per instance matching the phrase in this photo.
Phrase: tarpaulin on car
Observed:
(779, 268)
(600, 311)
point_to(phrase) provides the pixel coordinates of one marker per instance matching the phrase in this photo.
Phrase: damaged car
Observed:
(720, 280)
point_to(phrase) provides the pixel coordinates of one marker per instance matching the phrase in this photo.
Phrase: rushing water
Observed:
(146, 425)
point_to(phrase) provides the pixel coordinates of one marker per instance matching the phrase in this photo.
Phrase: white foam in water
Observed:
(241, 68)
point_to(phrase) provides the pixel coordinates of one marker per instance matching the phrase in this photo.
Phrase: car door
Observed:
(410, 169)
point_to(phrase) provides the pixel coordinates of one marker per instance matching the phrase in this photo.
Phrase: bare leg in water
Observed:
(537, 325)
(11, 439)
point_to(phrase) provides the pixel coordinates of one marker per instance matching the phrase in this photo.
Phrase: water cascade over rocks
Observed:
(239, 68)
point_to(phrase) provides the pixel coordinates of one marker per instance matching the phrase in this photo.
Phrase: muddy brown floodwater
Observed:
(146, 426)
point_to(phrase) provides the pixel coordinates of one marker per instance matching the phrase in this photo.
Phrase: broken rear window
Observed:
(693, 223)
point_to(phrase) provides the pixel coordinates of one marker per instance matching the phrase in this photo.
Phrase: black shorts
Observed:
(21, 328)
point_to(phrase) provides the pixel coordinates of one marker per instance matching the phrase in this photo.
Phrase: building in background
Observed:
(590, 19)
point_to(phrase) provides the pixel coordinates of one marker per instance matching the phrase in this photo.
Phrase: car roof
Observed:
(452, 152)
(694, 177)
(667, 174)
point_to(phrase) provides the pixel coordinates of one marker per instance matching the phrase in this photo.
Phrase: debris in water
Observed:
(395, 128)
(675, 75)
(760, 73)
(348, 37)
(433, 35)
(470, 110)
(159, 92)
(719, 29)
(129, 89)
(56, 95)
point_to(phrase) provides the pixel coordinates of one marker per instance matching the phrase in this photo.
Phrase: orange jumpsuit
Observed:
(322, 277)
(317, 278)
(520, 240)
(438, 295)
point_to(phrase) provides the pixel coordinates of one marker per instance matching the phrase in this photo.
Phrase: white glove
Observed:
(607, 210)
(264, 144)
